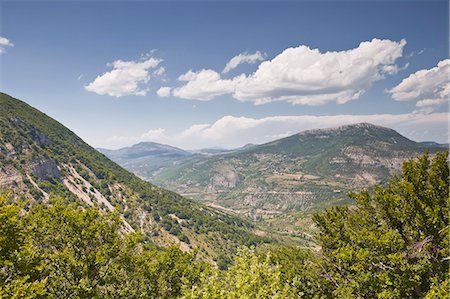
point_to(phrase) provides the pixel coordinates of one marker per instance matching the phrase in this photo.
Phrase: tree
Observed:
(19, 265)
(61, 250)
(393, 243)
(248, 277)
(81, 248)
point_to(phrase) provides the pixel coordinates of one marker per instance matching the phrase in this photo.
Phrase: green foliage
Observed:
(394, 243)
(248, 277)
(80, 248)
(300, 268)
(65, 251)
(19, 264)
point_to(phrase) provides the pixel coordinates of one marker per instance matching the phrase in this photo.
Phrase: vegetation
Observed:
(64, 251)
(393, 243)
(45, 159)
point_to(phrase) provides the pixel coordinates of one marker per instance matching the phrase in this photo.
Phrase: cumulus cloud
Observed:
(164, 91)
(4, 42)
(205, 85)
(242, 58)
(232, 131)
(126, 78)
(301, 75)
(429, 88)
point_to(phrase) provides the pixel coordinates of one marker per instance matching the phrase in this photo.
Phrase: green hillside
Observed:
(40, 159)
(312, 169)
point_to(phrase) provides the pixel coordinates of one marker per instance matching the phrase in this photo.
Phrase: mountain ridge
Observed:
(296, 172)
(146, 148)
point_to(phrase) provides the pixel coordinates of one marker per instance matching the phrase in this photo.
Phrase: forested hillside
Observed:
(393, 243)
(40, 159)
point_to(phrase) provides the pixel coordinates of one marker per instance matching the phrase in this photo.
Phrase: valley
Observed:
(288, 178)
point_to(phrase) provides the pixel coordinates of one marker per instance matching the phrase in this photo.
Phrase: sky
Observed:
(228, 73)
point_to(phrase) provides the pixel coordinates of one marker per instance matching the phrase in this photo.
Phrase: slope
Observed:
(41, 159)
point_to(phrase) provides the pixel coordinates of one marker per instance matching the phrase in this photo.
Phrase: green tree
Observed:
(61, 250)
(247, 278)
(299, 267)
(20, 267)
(81, 248)
(393, 243)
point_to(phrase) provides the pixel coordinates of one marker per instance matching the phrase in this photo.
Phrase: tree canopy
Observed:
(393, 243)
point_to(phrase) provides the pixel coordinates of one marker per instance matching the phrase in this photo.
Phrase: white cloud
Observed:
(428, 88)
(164, 91)
(232, 132)
(302, 76)
(242, 58)
(414, 53)
(4, 42)
(159, 71)
(205, 85)
(126, 78)
(156, 134)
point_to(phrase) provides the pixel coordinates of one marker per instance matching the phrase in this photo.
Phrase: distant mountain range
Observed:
(149, 159)
(432, 143)
(311, 168)
(146, 159)
(40, 159)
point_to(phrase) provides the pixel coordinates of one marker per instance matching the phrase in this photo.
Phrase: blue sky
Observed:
(96, 68)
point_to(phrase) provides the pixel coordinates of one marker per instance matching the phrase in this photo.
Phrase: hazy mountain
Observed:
(145, 159)
(433, 143)
(149, 159)
(145, 149)
(41, 159)
(209, 151)
(217, 150)
(315, 167)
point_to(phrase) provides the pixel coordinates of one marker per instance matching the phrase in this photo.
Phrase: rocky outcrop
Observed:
(40, 139)
(45, 169)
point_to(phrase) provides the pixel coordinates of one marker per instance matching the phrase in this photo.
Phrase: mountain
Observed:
(40, 159)
(218, 150)
(145, 149)
(309, 169)
(433, 143)
(146, 159)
